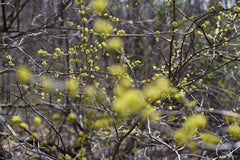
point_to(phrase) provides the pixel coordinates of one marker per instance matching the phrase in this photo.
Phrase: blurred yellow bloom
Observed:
(16, 120)
(37, 121)
(99, 5)
(71, 117)
(117, 70)
(209, 138)
(130, 102)
(72, 87)
(102, 26)
(24, 74)
(47, 83)
(56, 118)
(23, 125)
(234, 131)
(34, 135)
(114, 43)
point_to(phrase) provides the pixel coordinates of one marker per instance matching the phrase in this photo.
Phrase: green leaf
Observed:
(134, 150)
(211, 74)
(113, 7)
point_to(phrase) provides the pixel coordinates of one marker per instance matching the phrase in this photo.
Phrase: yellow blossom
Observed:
(42, 52)
(16, 120)
(34, 135)
(11, 63)
(191, 104)
(125, 131)
(53, 148)
(179, 96)
(234, 131)
(117, 70)
(67, 157)
(44, 63)
(72, 86)
(103, 123)
(158, 89)
(24, 74)
(196, 122)
(23, 125)
(192, 146)
(181, 136)
(102, 26)
(174, 24)
(70, 23)
(209, 138)
(78, 2)
(157, 32)
(130, 102)
(120, 32)
(99, 5)
(47, 83)
(114, 43)
(71, 117)
(84, 74)
(56, 117)
(9, 57)
(37, 121)
(220, 4)
(84, 20)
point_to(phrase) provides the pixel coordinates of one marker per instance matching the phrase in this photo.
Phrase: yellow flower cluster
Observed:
(232, 119)
(99, 5)
(103, 122)
(81, 138)
(209, 138)
(117, 70)
(158, 89)
(234, 131)
(16, 120)
(138, 101)
(102, 26)
(179, 96)
(81, 153)
(34, 135)
(42, 52)
(174, 24)
(72, 86)
(9, 57)
(56, 118)
(120, 32)
(130, 102)
(59, 51)
(191, 104)
(123, 85)
(24, 74)
(23, 125)
(78, 2)
(47, 83)
(37, 121)
(71, 117)
(114, 44)
(189, 129)
(70, 23)
(44, 63)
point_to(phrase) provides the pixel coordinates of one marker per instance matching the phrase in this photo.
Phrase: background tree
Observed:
(119, 79)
